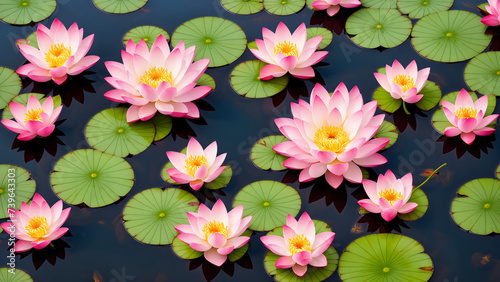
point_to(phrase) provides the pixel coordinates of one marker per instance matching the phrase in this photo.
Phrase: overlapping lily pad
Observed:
(23, 100)
(327, 36)
(387, 130)
(432, 96)
(419, 197)
(243, 7)
(385, 4)
(26, 11)
(32, 40)
(119, 6)
(10, 85)
(482, 73)
(148, 33)
(19, 276)
(418, 8)
(497, 172)
(283, 7)
(206, 80)
(91, 177)
(22, 186)
(151, 215)
(385, 101)
(163, 126)
(263, 155)
(246, 82)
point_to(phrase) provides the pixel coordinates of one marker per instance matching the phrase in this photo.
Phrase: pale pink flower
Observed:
(467, 117)
(300, 245)
(197, 166)
(403, 83)
(285, 52)
(34, 119)
(157, 80)
(215, 232)
(61, 52)
(332, 136)
(494, 18)
(37, 224)
(332, 7)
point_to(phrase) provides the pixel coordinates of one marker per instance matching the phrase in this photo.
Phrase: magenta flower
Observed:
(157, 80)
(403, 83)
(215, 232)
(332, 7)
(494, 18)
(37, 224)
(197, 166)
(300, 245)
(332, 136)
(33, 120)
(286, 52)
(467, 117)
(61, 52)
(388, 196)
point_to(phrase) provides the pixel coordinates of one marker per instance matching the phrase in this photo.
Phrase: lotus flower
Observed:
(332, 136)
(403, 83)
(285, 52)
(388, 196)
(300, 245)
(467, 117)
(494, 18)
(197, 166)
(61, 52)
(33, 120)
(157, 80)
(215, 232)
(37, 224)
(332, 7)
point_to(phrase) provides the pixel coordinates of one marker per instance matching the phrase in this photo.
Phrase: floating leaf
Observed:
(418, 8)
(10, 85)
(23, 100)
(386, 4)
(91, 177)
(243, 7)
(23, 187)
(183, 250)
(240, 252)
(26, 11)
(222, 180)
(385, 101)
(419, 197)
(32, 40)
(482, 7)
(20, 276)
(283, 7)
(432, 96)
(497, 172)
(252, 45)
(327, 36)
(206, 80)
(151, 215)
(309, 4)
(163, 126)
(482, 73)
(168, 165)
(269, 202)
(246, 82)
(263, 155)
(220, 40)
(119, 6)
(147, 32)
(387, 130)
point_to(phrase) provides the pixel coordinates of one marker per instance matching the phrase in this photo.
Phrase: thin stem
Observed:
(430, 176)
(404, 108)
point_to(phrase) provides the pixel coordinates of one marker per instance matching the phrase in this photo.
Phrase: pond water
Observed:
(98, 240)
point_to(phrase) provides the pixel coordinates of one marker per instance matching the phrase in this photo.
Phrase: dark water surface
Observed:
(99, 241)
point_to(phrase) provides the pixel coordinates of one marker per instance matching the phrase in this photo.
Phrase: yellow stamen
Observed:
(266, 204)
(33, 114)
(162, 214)
(298, 244)
(215, 227)
(405, 81)
(154, 76)
(385, 269)
(390, 195)
(286, 48)
(379, 26)
(331, 138)
(37, 227)
(466, 113)
(193, 163)
(449, 34)
(57, 55)
(93, 175)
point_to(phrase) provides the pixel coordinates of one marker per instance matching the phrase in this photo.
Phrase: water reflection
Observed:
(297, 87)
(481, 144)
(182, 129)
(336, 23)
(211, 271)
(56, 249)
(402, 120)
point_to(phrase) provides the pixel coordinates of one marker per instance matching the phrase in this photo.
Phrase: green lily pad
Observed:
(385, 257)
(32, 40)
(240, 252)
(252, 45)
(450, 36)
(482, 7)
(418, 8)
(23, 187)
(108, 131)
(10, 85)
(19, 276)
(243, 7)
(164, 174)
(482, 73)
(222, 180)
(385, 4)
(432, 96)
(477, 207)
(385, 102)
(246, 82)
(23, 100)
(26, 11)
(497, 172)
(327, 36)
(220, 40)
(263, 155)
(151, 215)
(163, 126)
(283, 7)
(183, 250)
(309, 4)
(206, 80)
(372, 28)
(91, 177)
(269, 202)
(119, 6)
(147, 32)
(419, 197)
(387, 130)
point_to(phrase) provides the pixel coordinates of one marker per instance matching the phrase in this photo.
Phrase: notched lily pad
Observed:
(386, 4)
(263, 155)
(19, 276)
(21, 185)
(283, 7)
(243, 7)
(26, 11)
(148, 33)
(387, 130)
(418, 8)
(419, 197)
(119, 6)
(482, 73)
(246, 82)
(327, 36)
(10, 85)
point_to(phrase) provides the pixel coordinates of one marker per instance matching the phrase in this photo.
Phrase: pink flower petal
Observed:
(214, 257)
(285, 262)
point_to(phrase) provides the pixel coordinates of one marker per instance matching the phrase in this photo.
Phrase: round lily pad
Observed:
(206, 80)
(222, 180)
(151, 215)
(387, 130)
(418, 196)
(450, 36)
(109, 131)
(10, 85)
(385, 101)
(385, 4)
(283, 7)
(220, 40)
(482, 73)
(243, 7)
(497, 172)
(23, 100)
(148, 33)
(432, 96)
(183, 250)
(21, 185)
(163, 126)
(477, 207)
(32, 40)
(418, 8)
(269, 202)
(246, 82)
(385, 257)
(263, 155)
(119, 6)
(91, 177)
(372, 28)
(19, 276)
(327, 36)
(26, 11)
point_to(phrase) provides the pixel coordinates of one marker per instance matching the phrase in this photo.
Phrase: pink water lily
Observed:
(403, 83)
(467, 117)
(300, 245)
(332, 136)
(389, 195)
(34, 119)
(157, 80)
(285, 52)
(215, 232)
(61, 53)
(37, 224)
(197, 166)
(493, 19)
(332, 7)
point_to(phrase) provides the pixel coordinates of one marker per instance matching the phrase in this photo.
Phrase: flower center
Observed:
(331, 138)
(57, 55)
(466, 113)
(286, 48)
(154, 76)
(405, 81)
(390, 195)
(298, 244)
(215, 227)
(37, 227)
(33, 114)
(193, 163)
